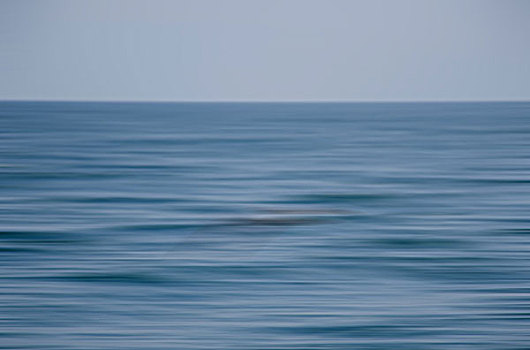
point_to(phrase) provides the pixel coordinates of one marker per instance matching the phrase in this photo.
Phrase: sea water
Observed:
(264, 226)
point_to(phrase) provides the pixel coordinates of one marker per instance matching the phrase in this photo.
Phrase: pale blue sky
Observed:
(265, 50)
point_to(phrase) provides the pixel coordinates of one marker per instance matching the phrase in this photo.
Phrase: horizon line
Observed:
(266, 101)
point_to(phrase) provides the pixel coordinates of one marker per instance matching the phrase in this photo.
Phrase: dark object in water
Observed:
(288, 217)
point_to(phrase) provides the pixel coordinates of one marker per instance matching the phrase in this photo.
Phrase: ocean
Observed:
(256, 226)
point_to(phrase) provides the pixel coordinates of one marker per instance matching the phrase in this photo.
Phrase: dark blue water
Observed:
(265, 226)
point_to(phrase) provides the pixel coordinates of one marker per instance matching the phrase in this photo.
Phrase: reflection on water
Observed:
(265, 226)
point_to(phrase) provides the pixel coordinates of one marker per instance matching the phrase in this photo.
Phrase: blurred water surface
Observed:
(265, 226)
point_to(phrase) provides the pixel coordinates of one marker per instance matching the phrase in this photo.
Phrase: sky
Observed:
(265, 50)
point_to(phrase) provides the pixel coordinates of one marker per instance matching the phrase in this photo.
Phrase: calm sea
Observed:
(265, 226)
